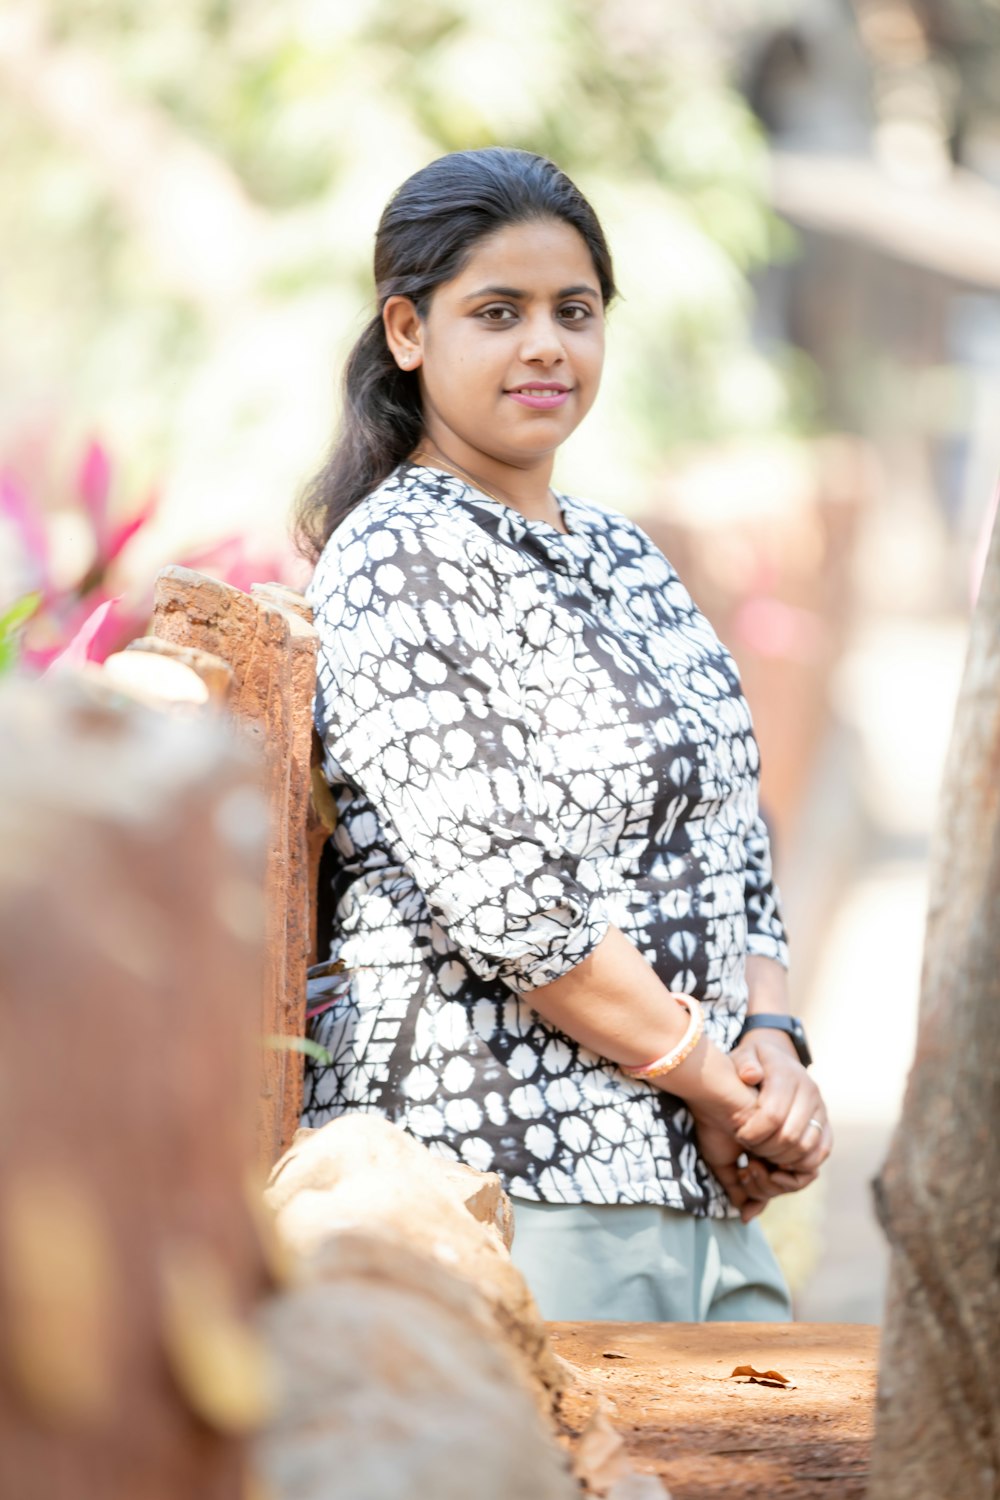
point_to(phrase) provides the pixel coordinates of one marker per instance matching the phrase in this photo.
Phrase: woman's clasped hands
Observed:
(777, 1140)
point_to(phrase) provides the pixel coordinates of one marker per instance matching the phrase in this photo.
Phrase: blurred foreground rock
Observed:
(413, 1358)
(404, 1355)
(131, 851)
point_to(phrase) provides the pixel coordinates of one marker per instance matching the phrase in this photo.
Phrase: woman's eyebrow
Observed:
(520, 296)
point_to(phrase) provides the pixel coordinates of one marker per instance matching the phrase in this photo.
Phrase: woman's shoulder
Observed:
(619, 533)
(415, 516)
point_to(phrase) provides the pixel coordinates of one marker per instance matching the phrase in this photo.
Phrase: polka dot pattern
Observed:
(529, 735)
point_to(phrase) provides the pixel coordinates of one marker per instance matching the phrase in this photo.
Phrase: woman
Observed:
(552, 883)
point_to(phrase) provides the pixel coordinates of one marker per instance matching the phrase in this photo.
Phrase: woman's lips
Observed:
(538, 397)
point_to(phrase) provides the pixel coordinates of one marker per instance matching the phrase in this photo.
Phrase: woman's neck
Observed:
(526, 490)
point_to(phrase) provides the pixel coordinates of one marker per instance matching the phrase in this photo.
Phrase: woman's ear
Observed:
(403, 332)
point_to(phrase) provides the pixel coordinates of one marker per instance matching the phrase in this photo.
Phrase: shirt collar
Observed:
(569, 552)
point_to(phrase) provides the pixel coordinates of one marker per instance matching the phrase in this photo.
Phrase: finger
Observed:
(765, 1132)
(813, 1147)
(795, 1137)
(751, 1209)
(735, 1191)
(792, 1182)
(786, 1099)
(748, 1066)
(756, 1180)
(814, 1157)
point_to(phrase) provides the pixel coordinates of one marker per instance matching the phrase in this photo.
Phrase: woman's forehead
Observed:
(541, 256)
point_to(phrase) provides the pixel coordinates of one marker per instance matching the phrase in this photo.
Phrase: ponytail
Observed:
(380, 425)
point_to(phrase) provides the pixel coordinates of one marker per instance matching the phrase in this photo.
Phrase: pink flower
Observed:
(16, 506)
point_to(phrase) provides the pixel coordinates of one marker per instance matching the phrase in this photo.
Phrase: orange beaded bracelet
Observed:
(684, 1048)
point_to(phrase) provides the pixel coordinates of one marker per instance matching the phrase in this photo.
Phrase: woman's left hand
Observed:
(789, 1127)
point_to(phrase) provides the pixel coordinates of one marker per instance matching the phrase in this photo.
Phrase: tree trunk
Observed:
(938, 1196)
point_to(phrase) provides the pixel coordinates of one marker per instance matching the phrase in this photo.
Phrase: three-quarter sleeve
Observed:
(765, 928)
(421, 708)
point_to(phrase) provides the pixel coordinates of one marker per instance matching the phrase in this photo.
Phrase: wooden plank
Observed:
(708, 1436)
(268, 641)
(300, 873)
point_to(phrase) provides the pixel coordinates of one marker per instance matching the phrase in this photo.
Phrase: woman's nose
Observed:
(541, 342)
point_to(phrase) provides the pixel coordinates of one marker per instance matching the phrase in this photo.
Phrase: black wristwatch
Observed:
(790, 1024)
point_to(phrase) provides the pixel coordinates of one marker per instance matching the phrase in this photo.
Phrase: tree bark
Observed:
(938, 1195)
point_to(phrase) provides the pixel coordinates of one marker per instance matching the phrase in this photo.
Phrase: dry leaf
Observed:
(614, 1354)
(763, 1377)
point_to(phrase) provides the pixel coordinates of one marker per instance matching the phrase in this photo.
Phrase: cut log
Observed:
(301, 872)
(216, 674)
(938, 1195)
(131, 853)
(441, 1380)
(157, 680)
(321, 814)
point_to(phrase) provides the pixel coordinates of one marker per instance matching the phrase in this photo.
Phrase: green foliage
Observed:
(12, 622)
(309, 114)
(301, 1044)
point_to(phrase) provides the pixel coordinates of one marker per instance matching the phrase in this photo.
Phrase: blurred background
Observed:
(803, 201)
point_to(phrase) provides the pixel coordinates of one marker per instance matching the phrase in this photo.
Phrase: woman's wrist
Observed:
(711, 1088)
(767, 986)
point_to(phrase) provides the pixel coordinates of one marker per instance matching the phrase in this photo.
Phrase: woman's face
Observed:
(509, 352)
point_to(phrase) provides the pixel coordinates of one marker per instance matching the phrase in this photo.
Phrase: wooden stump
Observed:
(131, 850)
(938, 1196)
(268, 640)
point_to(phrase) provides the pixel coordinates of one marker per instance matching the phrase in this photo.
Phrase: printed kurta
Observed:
(529, 735)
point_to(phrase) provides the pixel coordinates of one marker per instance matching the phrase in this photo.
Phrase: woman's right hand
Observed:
(749, 1183)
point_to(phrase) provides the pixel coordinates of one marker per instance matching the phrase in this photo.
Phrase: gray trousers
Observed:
(638, 1263)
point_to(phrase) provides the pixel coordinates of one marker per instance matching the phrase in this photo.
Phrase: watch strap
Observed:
(792, 1027)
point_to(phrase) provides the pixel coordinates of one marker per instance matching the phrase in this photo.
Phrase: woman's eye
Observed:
(575, 312)
(497, 314)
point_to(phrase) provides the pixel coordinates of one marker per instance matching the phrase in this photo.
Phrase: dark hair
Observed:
(425, 236)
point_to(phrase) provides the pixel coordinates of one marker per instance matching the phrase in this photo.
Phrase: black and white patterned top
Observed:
(529, 735)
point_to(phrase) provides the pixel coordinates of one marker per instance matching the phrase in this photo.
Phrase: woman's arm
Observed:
(614, 1004)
